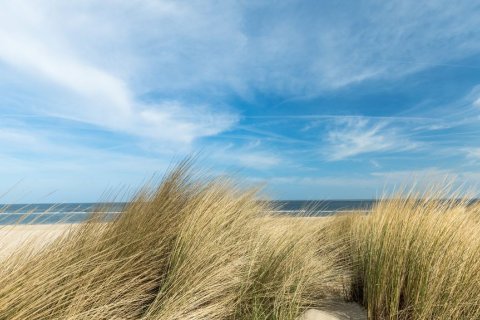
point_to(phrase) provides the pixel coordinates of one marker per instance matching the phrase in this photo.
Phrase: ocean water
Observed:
(45, 213)
(321, 207)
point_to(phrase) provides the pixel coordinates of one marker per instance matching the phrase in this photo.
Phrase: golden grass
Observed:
(195, 248)
(416, 258)
(189, 249)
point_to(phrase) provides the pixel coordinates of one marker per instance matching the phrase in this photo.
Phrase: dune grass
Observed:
(416, 257)
(198, 248)
(191, 248)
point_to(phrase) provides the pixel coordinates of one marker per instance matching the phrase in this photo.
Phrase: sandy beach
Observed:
(14, 236)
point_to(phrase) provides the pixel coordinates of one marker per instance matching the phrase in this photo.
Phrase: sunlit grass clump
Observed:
(416, 257)
(192, 248)
(205, 248)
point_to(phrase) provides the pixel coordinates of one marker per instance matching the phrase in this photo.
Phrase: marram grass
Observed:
(416, 257)
(190, 249)
(196, 248)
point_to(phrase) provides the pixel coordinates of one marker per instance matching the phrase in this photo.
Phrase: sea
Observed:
(47, 213)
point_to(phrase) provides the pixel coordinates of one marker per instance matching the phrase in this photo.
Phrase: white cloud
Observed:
(472, 153)
(313, 182)
(203, 46)
(39, 47)
(18, 138)
(430, 180)
(353, 136)
(36, 167)
(105, 55)
(156, 69)
(476, 103)
(473, 97)
(428, 176)
(250, 156)
(257, 160)
(433, 180)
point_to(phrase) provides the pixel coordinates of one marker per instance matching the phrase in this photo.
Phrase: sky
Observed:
(313, 99)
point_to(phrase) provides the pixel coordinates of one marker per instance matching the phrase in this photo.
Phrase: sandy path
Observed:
(338, 311)
(12, 237)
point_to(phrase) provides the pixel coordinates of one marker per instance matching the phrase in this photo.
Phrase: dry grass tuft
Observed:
(195, 248)
(189, 249)
(416, 257)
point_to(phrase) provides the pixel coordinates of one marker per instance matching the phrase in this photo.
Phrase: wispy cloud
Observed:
(107, 55)
(452, 181)
(47, 169)
(431, 176)
(251, 156)
(204, 46)
(354, 136)
(131, 83)
(378, 184)
(259, 160)
(17, 138)
(43, 50)
(362, 41)
(472, 154)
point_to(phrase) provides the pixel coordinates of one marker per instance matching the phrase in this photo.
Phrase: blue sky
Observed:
(317, 99)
